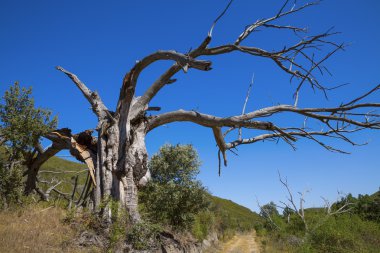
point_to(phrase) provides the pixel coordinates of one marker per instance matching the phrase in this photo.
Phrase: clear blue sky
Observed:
(101, 40)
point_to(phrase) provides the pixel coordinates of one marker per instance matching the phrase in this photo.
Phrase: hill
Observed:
(61, 170)
(241, 217)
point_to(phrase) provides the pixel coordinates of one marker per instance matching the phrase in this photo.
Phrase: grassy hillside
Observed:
(241, 217)
(59, 164)
(58, 169)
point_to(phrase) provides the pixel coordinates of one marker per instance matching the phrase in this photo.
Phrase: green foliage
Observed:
(173, 196)
(230, 217)
(22, 124)
(346, 233)
(117, 232)
(143, 235)
(11, 185)
(21, 127)
(203, 224)
(366, 206)
(356, 231)
(178, 164)
(269, 209)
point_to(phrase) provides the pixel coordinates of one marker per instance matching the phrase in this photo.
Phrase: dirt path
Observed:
(240, 243)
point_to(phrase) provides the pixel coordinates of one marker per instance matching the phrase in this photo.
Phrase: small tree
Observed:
(268, 210)
(21, 128)
(22, 125)
(174, 196)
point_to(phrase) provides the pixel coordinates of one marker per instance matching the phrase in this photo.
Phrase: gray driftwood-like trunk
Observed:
(118, 159)
(121, 163)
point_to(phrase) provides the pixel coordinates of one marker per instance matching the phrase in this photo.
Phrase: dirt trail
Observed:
(240, 243)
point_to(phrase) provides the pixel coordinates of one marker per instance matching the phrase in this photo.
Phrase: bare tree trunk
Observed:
(136, 168)
(34, 166)
(31, 180)
(121, 161)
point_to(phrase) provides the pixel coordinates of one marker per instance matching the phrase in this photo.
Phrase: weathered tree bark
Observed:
(121, 155)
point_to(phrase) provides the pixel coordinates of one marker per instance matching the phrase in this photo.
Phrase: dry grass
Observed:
(36, 229)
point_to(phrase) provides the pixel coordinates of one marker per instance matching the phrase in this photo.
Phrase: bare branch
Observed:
(246, 101)
(299, 211)
(183, 62)
(267, 215)
(166, 77)
(326, 115)
(127, 91)
(251, 28)
(361, 97)
(207, 120)
(220, 142)
(46, 195)
(295, 29)
(219, 17)
(93, 98)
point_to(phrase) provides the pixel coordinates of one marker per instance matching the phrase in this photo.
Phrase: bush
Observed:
(203, 225)
(11, 185)
(174, 197)
(143, 235)
(346, 233)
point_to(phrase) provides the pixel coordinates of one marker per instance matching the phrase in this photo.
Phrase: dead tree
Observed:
(299, 209)
(121, 157)
(82, 146)
(296, 206)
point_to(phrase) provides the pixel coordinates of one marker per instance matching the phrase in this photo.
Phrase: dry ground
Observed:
(35, 229)
(240, 243)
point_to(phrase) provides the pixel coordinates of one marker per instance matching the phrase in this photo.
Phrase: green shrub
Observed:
(143, 235)
(11, 185)
(203, 225)
(346, 233)
(174, 197)
(118, 229)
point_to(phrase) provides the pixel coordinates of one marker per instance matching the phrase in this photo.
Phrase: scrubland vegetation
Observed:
(357, 230)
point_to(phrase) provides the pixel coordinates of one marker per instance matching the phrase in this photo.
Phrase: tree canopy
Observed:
(174, 195)
(21, 123)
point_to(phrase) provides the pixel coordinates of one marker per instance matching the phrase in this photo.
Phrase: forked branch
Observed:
(92, 97)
